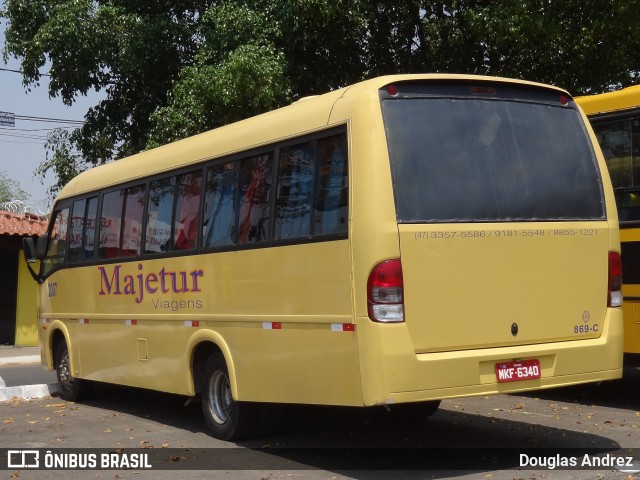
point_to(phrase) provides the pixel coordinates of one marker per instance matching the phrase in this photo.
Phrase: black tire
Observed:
(226, 418)
(71, 389)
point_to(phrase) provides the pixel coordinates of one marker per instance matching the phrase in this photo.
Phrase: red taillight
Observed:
(385, 292)
(392, 90)
(614, 298)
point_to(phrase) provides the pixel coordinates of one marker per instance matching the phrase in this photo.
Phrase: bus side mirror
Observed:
(41, 246)
(29, 249)
(32, 253)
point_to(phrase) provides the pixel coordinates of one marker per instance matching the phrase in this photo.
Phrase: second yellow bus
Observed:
(615, 117)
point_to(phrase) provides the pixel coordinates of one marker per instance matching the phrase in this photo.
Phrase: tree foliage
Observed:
(10, 189)
(173, 68)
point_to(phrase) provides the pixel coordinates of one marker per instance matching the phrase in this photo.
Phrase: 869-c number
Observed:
(586, 328)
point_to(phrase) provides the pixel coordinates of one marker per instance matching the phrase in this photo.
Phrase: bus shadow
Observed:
(369, 443)
(621, 393)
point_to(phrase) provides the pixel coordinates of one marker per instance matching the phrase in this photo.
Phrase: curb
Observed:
(20, 360)
(27, 392)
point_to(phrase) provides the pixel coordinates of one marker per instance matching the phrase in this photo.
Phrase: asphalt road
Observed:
(316, 440)
(29, 374)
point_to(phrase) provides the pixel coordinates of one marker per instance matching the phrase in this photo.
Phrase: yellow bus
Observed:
(615, 118)
(396, 242)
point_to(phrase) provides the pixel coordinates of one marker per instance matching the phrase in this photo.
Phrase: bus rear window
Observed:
(515, 156)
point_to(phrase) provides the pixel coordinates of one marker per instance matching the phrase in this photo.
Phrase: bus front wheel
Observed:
(71, 388)
(227, 418)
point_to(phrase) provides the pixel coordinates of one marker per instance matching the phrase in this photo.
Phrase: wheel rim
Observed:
(65, 379)
(220, 398)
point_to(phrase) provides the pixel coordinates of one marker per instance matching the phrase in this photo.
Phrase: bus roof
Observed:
(280, 124)
(610, 102)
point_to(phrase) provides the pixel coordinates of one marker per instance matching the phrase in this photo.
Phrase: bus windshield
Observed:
(515, 156)
(619, 139)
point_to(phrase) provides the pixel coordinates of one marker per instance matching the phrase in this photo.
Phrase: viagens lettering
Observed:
(113, 282)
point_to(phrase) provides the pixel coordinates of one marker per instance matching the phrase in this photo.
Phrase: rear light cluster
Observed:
(614, 298)
(385, 292)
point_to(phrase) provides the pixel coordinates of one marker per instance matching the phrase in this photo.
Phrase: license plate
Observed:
(515, 371)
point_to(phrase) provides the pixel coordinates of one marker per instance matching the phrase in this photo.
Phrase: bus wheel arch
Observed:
(226, 418)
(71, 388)
(200, 355)
(214, 378)
(203, 345)
(56, 338)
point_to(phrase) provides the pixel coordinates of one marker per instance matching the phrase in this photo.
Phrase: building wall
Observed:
(27, 307)
(18, 290)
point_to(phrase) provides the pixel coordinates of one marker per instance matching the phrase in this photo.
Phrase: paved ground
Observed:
(13, 355)
(599, 416)
(13, 362)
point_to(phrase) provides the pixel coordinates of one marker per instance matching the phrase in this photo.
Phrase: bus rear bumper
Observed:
(429, 376)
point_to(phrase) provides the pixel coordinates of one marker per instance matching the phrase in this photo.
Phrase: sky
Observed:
(22, 147)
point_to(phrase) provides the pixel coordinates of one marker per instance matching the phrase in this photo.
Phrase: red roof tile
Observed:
(22, 224)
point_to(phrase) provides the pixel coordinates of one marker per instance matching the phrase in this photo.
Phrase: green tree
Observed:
(10, 189)
(175, 68)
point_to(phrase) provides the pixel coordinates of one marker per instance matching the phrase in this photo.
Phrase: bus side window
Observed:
(294, 192)
(110, 221)
(159, 215)
(77, 227)
(57, 246)
(219, 206)
(615, 142)
(133, 211)
(331, 206)
(254, 187)
(187, 208)
(82, 230)
(58, 237)
(89, 232)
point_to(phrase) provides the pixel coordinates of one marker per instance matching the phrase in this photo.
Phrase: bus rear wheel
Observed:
(227, 418)
(71, 388)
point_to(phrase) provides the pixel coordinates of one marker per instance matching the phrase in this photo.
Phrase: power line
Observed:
(18, 141)
(21, 72)
(14, 129)
(20, 135)
(28, 118)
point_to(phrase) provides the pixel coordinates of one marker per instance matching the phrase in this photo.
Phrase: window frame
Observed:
(202, 168)
(600, 119)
